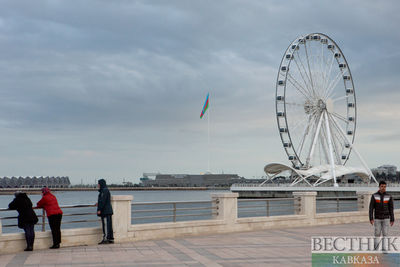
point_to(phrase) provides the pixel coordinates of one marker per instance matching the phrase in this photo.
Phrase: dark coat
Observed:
(26, 215)
(381, 207)
(104, 200)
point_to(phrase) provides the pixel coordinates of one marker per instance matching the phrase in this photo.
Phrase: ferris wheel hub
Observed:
(321, 105)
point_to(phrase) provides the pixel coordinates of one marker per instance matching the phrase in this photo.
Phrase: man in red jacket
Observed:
(54, 215)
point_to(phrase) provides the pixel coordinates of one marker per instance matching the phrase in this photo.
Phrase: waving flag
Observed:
(205, 107)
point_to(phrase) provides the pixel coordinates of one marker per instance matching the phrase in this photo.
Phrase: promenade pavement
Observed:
(281, 247)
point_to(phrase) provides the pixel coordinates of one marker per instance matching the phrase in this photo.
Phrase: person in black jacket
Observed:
(105, 211)
(381, 211)
(26, 217)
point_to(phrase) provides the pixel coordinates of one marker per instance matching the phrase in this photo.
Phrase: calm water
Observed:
(90, 197)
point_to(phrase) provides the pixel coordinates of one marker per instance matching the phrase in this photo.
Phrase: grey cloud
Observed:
(112, 80)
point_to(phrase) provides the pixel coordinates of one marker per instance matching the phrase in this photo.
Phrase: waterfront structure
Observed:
(35, 182)
(193, 180)
(316, 113)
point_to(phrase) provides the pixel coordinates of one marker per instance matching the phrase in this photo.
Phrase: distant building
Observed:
(35, 182)
(192, 180)
(385, 169)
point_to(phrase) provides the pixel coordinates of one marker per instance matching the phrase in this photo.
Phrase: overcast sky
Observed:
(112, 89)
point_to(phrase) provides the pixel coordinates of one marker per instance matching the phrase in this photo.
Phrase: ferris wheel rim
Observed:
(291, 151)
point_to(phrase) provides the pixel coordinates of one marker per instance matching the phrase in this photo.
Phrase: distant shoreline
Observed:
(10, 191)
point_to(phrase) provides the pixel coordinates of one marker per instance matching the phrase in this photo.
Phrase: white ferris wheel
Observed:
(316, 111)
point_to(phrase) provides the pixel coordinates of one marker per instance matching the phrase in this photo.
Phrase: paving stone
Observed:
(281, 247)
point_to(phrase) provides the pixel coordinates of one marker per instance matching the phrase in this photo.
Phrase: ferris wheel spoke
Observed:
(319, 81)
(305, 133)
(340, 117)
(310, 125)
(328, 73)
(340, 131)
(298, 124)
(306, 84)
(335, 141)
(324, 71)
(333, 83)
(339, 135)
(306, 74)
(337, 128)
(309, 69)
(316, 67)
(322, 65)
(294, 104)
(341, 143)
(298, 86)
(340, 98)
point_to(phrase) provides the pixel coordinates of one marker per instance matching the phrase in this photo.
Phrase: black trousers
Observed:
(29, 235)
(55, 225)
(109, 235)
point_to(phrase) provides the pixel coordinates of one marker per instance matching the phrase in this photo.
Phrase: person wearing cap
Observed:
(26, 217)
(105, 211)
(54, 215)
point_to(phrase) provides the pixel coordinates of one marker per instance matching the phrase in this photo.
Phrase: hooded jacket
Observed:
(381, 206)
(26, 214)
(49, 203)
(104, 200)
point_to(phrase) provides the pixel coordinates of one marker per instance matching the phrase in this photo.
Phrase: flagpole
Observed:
(208, 139)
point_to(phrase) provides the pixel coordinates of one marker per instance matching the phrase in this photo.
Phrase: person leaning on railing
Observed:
(26, 217)
(54, 215)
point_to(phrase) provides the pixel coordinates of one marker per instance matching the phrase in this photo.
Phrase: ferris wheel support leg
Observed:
(301, 178)
(268, 178)
(355, 150)
(314, 141)
(364, 164)
(331, 159)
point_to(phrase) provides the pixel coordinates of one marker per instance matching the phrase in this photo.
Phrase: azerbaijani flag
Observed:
(205, 107)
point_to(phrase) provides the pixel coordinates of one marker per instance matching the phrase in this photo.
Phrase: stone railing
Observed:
(224, 221)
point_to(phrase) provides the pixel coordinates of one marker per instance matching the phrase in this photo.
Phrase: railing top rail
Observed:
(63, 207)
(334, 198)
(78, 206)
(172, 202)
(265, 199)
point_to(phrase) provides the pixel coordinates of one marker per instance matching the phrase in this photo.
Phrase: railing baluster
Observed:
(337, 204)
(43, 220)
(174, 212)
(267, 207)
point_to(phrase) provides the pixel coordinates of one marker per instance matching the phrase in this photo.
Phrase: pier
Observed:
(284, 190)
